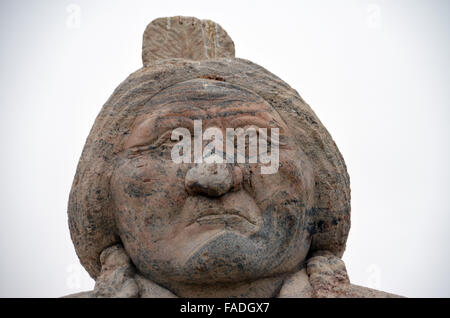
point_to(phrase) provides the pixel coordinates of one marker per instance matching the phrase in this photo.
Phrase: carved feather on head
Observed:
(187, 38)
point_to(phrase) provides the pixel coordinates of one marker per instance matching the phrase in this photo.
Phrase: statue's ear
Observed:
(187, 38)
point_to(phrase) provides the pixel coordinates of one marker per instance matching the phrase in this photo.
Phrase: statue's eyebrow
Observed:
(148, 130)
(163, 124)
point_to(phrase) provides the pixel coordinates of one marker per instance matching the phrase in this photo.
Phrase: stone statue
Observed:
(144, 225)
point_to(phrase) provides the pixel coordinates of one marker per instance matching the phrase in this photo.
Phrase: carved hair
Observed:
(91, 210)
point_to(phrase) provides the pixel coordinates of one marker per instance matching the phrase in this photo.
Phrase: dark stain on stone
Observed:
(134, 191)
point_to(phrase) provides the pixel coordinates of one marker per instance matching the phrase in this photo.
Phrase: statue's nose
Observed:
(213, 179)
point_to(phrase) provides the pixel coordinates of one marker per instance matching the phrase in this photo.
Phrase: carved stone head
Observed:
(193, 227)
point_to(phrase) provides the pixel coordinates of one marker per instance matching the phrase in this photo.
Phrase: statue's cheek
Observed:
(290, 189)
(146, 184)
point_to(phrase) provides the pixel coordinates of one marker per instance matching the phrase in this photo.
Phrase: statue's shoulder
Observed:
(325, 276)
(328, 277)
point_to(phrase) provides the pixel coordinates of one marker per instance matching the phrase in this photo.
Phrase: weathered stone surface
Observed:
(145, 226)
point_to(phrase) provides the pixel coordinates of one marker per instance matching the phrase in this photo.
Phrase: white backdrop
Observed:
(375, 72)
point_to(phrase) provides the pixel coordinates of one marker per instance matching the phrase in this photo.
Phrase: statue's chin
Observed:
(224, 258)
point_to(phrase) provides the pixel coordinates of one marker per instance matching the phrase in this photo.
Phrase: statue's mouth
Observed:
(220, 215)
(236, 211)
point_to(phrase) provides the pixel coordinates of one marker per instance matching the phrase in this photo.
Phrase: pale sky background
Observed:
(376, 73)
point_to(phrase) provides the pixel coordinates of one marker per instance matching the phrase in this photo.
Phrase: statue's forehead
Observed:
(216, 104)
(207, 99)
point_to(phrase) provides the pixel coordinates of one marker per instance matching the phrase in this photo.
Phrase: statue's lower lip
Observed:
(219, 215)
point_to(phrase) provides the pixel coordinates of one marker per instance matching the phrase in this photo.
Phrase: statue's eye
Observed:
(161, 146)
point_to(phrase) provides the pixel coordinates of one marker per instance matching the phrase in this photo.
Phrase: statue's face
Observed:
(175, 231)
